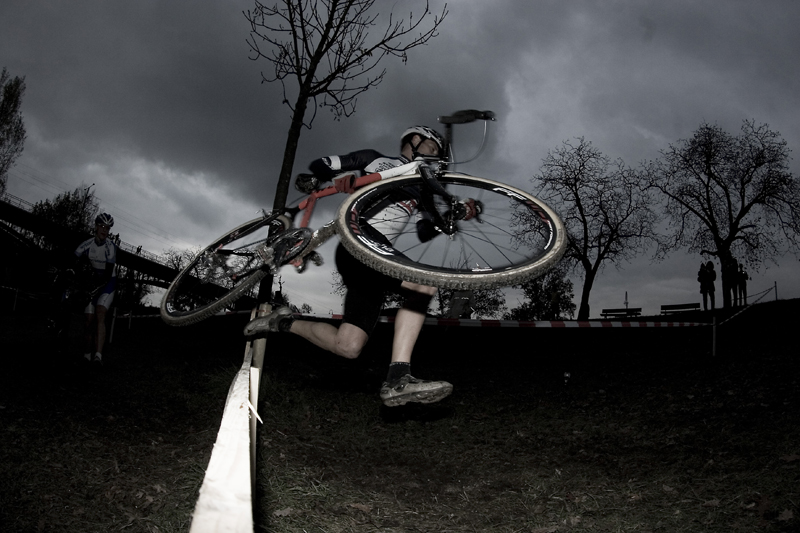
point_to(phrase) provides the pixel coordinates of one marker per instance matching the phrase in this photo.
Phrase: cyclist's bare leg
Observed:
(88, 333)
(100, 315)
(347, 340)
(400, 386)
(409, 320)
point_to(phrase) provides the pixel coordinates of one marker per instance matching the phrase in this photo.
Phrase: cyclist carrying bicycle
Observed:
(367, 288)
(101, 254)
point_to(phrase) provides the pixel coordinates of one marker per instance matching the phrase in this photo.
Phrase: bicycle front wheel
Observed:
(517, 237)
(223, 272)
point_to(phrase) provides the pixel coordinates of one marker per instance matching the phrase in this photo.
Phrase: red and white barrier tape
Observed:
(463, 322)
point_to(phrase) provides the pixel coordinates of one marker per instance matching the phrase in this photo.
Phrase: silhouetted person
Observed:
(701, 278)
(734, 282)
(742, 283)
(707, 276)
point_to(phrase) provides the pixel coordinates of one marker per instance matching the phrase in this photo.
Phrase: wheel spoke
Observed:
(225, 271)
(512, 235)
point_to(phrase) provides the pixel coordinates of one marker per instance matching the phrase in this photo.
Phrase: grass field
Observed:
(649, 433)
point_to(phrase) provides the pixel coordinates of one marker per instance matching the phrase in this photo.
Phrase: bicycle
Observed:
(485, 235)
(69, 293)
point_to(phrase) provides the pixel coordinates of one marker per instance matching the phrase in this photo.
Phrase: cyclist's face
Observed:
(428, 147)
(101, 232)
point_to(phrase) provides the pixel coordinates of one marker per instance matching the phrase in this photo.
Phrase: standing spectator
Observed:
(702, 276)
(707, 276)
(742, 282)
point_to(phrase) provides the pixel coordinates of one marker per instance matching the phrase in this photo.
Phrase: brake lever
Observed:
(433, 183)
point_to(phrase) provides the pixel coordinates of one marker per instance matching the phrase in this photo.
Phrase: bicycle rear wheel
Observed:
(228, 269)
(517, 237)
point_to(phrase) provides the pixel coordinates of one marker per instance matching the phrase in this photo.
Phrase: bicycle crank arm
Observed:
(318, 238)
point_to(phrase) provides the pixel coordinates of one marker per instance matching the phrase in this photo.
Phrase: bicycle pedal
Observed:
(300, 265)
(316, 258)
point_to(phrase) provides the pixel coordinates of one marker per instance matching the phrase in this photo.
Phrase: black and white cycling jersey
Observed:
(390, 218)
(363, 161)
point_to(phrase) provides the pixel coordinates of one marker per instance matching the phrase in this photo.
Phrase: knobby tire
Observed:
(532, 241)
(176, 314)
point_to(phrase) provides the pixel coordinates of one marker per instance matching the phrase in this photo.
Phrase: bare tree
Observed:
(178, 259)
(548, 297)
(74, 209)
(322, 50)
(729, 196)
(12, 129)
(606, 213)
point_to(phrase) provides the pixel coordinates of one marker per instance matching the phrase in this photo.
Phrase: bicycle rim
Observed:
(517, 237)
(222, 273)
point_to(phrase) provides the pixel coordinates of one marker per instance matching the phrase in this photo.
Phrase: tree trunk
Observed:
(583, 310)
(285, 179)
(289, 153)
(728, 275)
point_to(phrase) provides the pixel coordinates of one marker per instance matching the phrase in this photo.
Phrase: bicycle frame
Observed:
(307, 205)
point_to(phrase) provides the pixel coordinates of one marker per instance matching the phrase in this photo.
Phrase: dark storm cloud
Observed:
(163, 96)
(167, 81)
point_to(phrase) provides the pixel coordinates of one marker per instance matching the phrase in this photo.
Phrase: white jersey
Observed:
(391, 218)
(99, 255)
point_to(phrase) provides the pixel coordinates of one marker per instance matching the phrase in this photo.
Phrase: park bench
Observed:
(678, 308)
(624, 312)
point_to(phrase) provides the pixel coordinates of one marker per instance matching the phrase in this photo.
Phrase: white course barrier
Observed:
(225, 504)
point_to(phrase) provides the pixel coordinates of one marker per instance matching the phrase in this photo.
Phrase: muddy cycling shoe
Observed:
(410, 389)
(270, 322)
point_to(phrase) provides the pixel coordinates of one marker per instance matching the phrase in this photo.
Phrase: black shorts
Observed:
(366, 290)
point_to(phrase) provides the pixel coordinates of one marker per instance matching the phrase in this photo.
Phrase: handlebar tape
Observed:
(467, 115)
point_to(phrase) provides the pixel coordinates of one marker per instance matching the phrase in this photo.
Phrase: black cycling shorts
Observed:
(366, 290)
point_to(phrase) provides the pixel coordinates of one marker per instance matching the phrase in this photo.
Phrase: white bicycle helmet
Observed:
(104, 219)
(426, 133)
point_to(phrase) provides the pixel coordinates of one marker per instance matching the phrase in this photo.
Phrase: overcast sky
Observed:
(159, 105)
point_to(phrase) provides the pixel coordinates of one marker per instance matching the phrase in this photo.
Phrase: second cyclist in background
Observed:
(366, 288)
(101, 254)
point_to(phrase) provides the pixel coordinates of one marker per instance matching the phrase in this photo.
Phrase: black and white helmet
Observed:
(426, 133)
(104, 219)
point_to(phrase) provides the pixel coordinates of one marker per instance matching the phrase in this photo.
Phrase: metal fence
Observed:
(136, 250)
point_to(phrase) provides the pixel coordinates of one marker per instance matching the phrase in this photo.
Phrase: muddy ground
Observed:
(648, 433)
